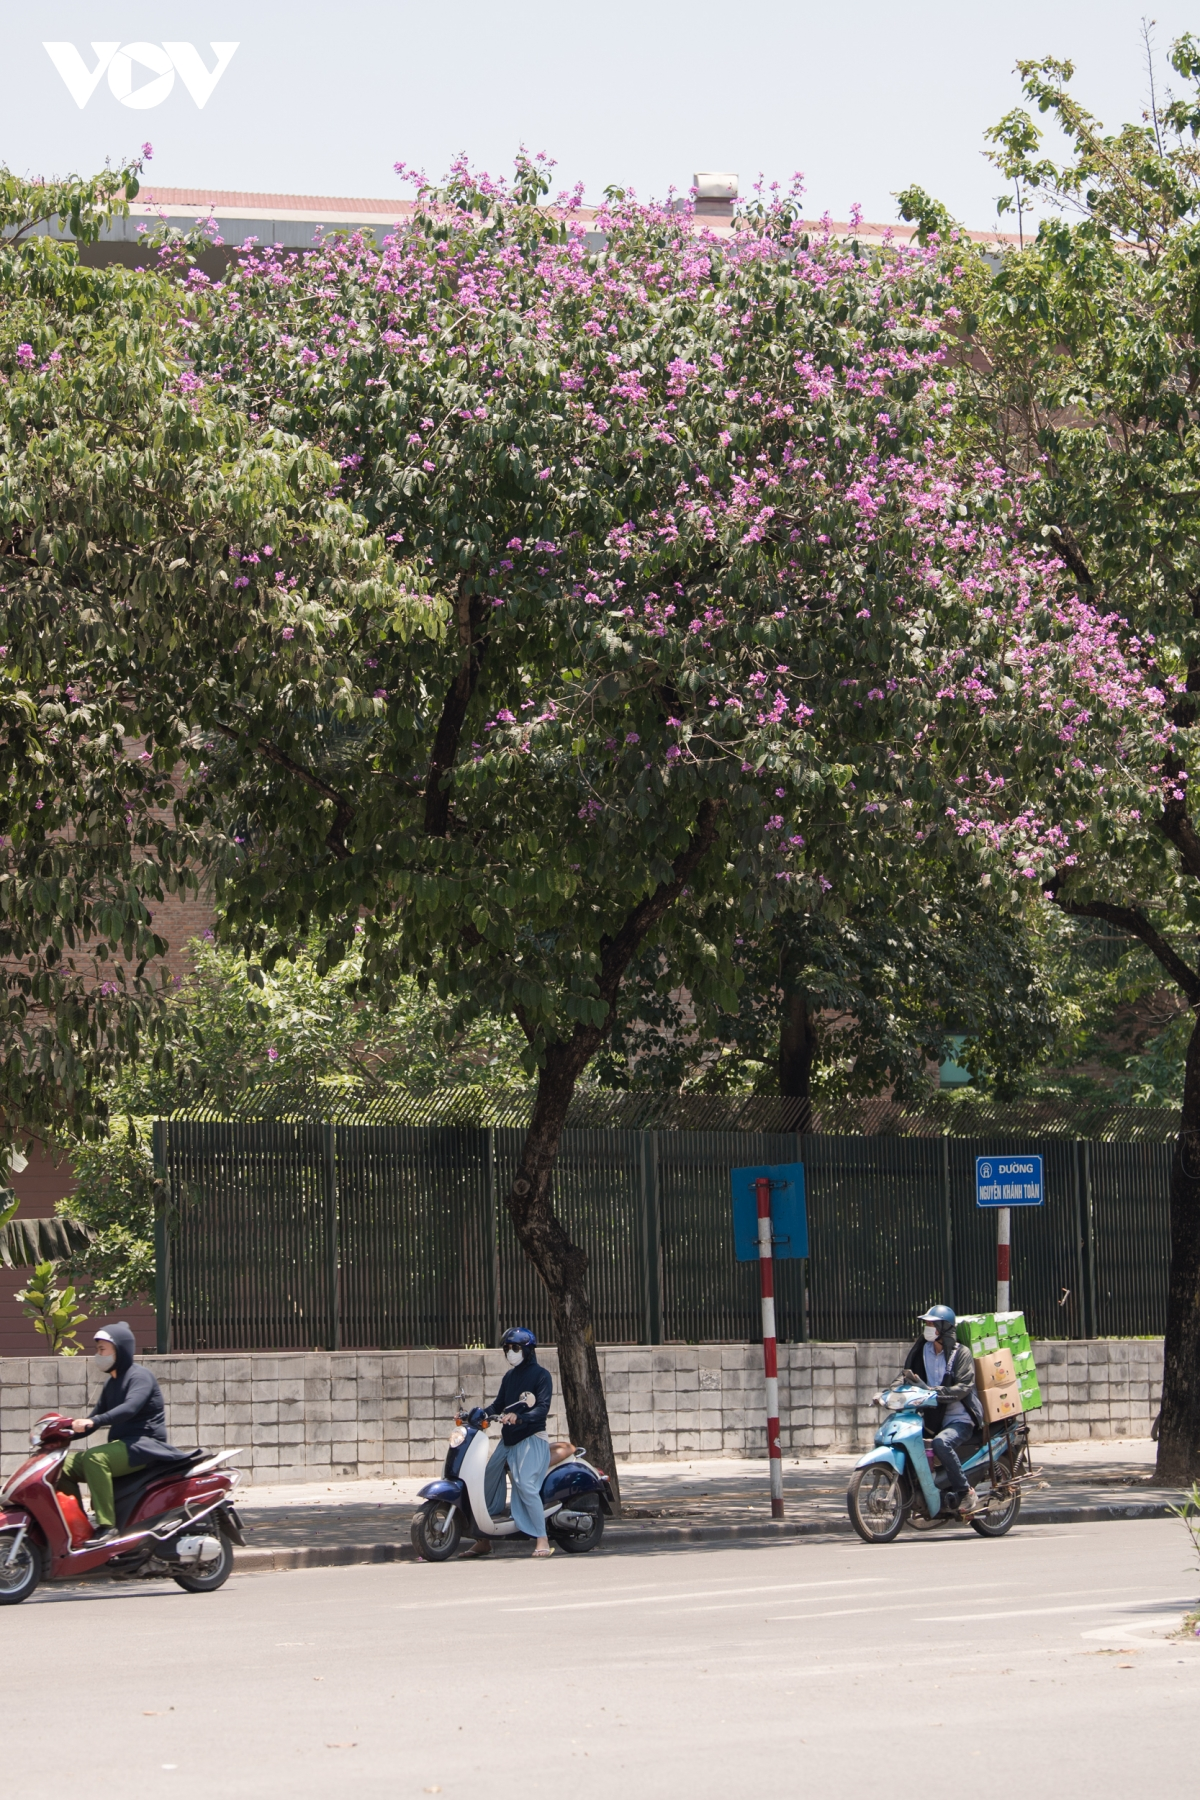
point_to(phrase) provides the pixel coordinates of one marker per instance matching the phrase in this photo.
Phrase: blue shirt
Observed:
(935, 1375)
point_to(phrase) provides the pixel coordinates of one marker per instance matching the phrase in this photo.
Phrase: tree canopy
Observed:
(730, 629)
(123, 491)
(1084, 380)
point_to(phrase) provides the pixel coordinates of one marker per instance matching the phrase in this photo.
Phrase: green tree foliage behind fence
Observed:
(306, 1235)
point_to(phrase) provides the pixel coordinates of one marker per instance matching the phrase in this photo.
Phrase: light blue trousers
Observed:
(526, 1463)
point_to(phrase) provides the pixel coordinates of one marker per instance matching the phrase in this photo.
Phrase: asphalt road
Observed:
(1043, 1661)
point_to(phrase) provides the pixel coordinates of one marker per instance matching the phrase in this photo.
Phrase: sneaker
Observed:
(969, 1504)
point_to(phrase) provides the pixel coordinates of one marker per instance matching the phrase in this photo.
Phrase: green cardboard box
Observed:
(979, 1331)
(1018, 1346)
(1010, 1325)
(1024, 1364)
(1031, 1393)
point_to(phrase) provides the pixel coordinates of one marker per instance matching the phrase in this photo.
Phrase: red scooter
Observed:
(175, 1520)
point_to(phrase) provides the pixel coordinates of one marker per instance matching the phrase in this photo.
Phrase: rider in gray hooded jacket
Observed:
(131, 1405)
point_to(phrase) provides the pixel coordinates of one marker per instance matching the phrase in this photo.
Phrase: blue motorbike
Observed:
(576, 1497)
(899, 1482)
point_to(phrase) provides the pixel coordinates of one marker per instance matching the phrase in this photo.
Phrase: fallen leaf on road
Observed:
(353, 1746)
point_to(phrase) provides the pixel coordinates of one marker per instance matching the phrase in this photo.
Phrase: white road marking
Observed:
(951, 1587)
(644, 1599)
(1033, 1612)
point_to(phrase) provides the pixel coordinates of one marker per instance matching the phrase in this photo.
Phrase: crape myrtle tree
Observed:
(723, 619)
(120, 486)
(1087, 371)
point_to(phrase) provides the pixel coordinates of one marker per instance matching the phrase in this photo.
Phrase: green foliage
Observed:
(1189, 1515)
(247, 1040)
(881, 994)
(114, 1197)
(81, 206)
(124, 486)
(52, 1310)
(1084, 378)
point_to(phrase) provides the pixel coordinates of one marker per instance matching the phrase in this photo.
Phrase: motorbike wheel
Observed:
(577, 1543)
(1002, 1510)
(876, 1503)
(19, 1578)
(207, 1577)
(436, 1532)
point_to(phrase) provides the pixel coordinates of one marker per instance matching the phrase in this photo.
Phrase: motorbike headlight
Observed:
(896, 1402)
(458, 1436)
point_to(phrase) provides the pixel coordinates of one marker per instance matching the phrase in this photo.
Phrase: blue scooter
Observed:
(576, 1497)
(899, 1482)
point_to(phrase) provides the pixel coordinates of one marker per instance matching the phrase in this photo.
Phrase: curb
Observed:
(618, 1538)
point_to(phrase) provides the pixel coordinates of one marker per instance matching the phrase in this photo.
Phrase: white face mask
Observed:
(105, 1359)
(513, 1357)
(931, 1333)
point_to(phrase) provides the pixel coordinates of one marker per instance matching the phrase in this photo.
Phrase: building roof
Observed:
(297, 221)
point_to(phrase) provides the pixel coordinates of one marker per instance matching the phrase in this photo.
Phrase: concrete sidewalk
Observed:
(665, 1503)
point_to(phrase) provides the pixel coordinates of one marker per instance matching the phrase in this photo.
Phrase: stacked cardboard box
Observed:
(996, 1381)
(1003, 1333)
(979, 1331)
(1011, 1331)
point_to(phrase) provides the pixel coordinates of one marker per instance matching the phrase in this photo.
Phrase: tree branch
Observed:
(618, 952)
(1072, 555)
(1179, 830)
(1133, 921)
(469, 616)
(335, 837)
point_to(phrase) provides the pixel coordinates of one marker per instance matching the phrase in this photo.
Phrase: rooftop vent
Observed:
(715, 193)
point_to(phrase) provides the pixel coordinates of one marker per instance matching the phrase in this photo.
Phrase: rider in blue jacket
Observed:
(523, 1453)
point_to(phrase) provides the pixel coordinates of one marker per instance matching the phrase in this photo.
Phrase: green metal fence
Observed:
(306, 1235)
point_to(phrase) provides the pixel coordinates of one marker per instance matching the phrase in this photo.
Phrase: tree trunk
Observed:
(1179, 1427)
(561, 1264)
(797, 1048)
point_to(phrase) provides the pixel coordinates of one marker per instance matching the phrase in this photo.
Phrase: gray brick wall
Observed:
(310, 1417)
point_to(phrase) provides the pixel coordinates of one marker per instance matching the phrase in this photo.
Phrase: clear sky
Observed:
(864, 96)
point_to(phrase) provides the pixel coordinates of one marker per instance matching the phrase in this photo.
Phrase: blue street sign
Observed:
(789, 1216)
(1009, 1181)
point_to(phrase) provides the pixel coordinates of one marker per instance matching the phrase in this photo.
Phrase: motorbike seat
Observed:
(129, 1489)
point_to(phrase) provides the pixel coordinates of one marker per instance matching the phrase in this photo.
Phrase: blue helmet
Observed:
(941, 1316)
(517, 1337)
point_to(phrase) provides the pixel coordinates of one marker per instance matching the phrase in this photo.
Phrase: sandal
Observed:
(548, 1551)
(481, 1547)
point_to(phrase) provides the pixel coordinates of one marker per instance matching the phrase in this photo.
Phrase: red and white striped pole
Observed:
(766, 1273)
(1003, 1256)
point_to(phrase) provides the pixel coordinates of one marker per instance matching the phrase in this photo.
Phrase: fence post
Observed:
(162, 1241)
(1092, 1326)
(491, 1273)
(652, 1296)
(333, 1329)
(947, 1224)
(800, 1136)
(1079, 1312)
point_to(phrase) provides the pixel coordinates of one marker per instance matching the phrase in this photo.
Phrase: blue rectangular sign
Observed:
(1009, 1181)
(789, 1215)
